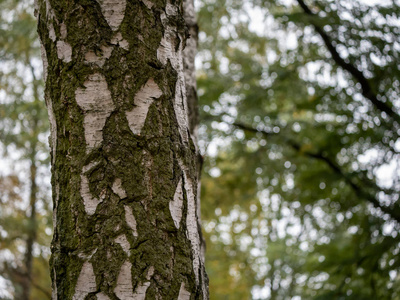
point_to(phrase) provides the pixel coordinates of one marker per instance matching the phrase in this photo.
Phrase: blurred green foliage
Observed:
(25, 218)
(299, 102)
(300, 183)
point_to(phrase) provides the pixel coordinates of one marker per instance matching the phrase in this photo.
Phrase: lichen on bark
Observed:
(121, 147)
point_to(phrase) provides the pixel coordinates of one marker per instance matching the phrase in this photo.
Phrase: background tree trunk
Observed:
(124, 165)
(32, 228)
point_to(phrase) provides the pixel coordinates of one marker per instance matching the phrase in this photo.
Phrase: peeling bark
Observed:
(124, 162)
(192, 222)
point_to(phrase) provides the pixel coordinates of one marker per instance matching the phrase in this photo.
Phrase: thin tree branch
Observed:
(334, 167)
(366, 88)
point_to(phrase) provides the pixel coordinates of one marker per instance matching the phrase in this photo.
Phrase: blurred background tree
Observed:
(25, 222)
(300, 102)
(300, 128)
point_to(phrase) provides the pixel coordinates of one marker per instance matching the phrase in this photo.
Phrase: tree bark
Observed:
(124, 171)
(189, 55)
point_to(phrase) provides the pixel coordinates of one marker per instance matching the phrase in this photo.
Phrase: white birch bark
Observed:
(123, 169)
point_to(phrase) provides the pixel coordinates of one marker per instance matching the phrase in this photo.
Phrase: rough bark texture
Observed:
(124, 169)
(189, 55)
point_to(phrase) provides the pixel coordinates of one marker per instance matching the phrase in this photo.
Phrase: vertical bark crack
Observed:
(168, 51)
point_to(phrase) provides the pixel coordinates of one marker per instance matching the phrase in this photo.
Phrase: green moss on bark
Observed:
(147, 164)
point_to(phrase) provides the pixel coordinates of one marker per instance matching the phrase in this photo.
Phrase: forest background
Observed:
(300, 125)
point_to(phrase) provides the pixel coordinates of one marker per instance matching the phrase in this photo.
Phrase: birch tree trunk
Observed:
(189, 55)
(124, 169)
